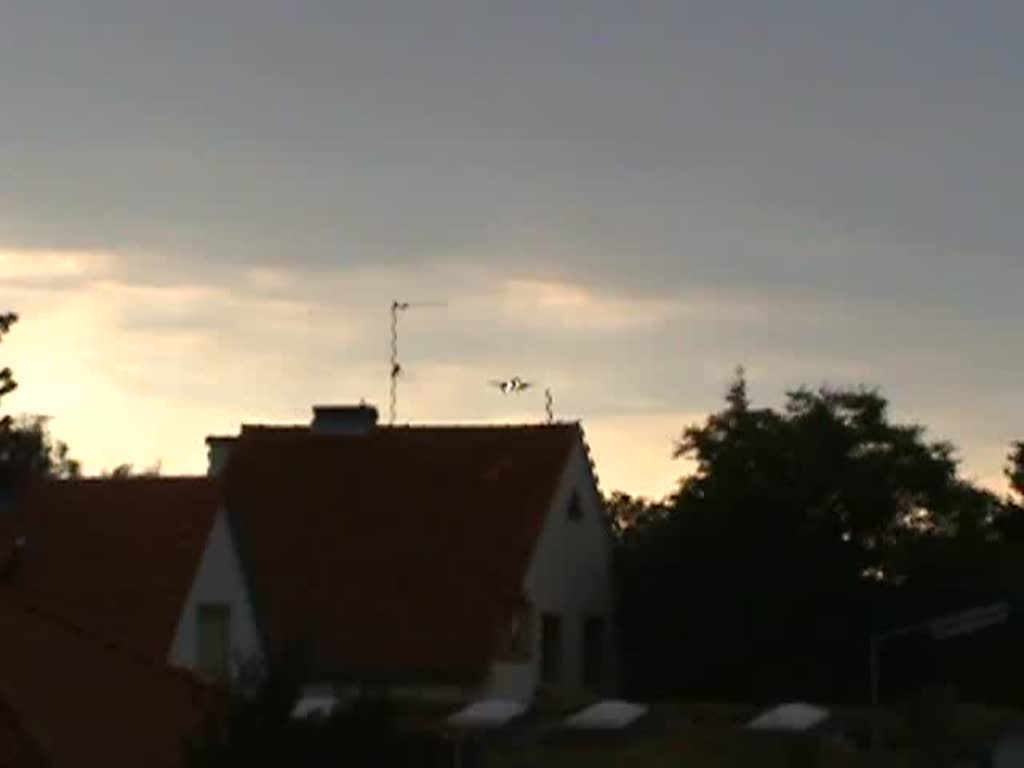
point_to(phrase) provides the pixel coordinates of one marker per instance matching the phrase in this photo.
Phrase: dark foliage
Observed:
(801, 532)
(26, 448)
(1015, 468)
(125, 471)
(257, 729)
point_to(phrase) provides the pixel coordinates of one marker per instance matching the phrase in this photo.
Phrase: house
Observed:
(450, 563)
(106, 591)
(147, 564)
(443, 562)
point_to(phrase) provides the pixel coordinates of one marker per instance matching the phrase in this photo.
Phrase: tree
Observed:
(626, 512)
(257, 727)
(1011, 515)
(800, 531)
(1015, 468)
(7, 382)
(26, 447)
(125, 471)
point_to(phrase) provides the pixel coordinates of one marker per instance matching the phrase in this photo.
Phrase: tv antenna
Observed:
(398, 307)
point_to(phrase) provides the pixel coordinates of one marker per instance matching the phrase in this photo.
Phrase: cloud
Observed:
(50, 265)
(138, 359)
(113, 360)
(135, 370)
(26, 272)
(561, 306)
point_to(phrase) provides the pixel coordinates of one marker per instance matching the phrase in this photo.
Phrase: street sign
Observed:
(969, 621)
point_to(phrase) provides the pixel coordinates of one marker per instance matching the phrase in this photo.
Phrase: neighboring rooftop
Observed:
(69, 700)
(398, 547)
(117, 557)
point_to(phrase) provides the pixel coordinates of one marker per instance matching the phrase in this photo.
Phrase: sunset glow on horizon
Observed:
(207, 210)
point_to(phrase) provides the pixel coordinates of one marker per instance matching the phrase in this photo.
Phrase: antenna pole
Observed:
(549, 406)
(396, 367)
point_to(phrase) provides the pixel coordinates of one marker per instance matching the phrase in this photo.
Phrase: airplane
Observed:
(512, 386)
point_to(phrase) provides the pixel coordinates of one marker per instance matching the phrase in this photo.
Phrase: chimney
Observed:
(344, 419)
(218, 451)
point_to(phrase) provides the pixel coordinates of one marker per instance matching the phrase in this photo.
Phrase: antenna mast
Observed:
(396, 367)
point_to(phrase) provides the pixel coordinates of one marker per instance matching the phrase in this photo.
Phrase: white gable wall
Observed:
(570, 575)
(219, 579)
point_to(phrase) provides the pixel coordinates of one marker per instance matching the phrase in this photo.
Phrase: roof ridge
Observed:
(484, 425)
(198, 479)
(250, 429)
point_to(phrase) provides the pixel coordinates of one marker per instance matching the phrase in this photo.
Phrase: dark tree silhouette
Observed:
(1015, 468)
(26, 447)
(125, 471)
(7, 382)
(800, 531)
(626, 512)
(1011, 519)
(256, 727)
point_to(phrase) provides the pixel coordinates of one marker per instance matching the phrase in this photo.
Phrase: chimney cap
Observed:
(344, 419)
(327, 409)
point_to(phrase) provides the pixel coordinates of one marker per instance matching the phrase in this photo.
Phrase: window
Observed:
(514, 642)
(213, 637)
(550, 648)
(575, 507)
(593, 652)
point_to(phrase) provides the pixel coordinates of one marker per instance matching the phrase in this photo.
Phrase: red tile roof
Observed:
(394, 551)
(77, 701)
(117, 557)
(18, 749)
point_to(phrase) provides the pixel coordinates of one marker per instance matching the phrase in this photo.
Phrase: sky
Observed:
(206, 209)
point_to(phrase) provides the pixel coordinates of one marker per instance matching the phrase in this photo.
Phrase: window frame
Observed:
(221, 611)
(515, 635)
(574, 510)
(593, 659)
(552, 648)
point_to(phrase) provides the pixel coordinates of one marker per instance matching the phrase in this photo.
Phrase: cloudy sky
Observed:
(207, 207)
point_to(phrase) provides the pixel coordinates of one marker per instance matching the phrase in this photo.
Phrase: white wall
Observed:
(219, 579)
(570, 575)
